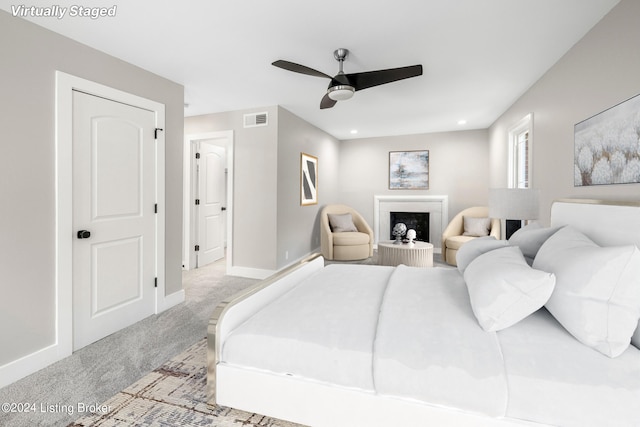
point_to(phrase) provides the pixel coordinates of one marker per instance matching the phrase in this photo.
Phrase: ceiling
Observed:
(478, 56)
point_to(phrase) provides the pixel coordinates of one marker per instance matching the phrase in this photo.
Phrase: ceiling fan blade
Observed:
(297, 68)
(327, 102)
(376, 78)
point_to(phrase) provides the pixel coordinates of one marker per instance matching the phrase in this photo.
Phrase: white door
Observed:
(211, 197)
(114, 152)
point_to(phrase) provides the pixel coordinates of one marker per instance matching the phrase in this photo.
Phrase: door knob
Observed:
(84, 234)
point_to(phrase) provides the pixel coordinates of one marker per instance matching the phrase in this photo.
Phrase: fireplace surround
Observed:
(436, 206)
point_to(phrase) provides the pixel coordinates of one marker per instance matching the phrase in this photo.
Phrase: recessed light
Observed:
(462, 122)
(354, 131)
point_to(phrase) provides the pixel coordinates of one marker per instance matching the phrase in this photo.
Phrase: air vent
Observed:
(256, 119)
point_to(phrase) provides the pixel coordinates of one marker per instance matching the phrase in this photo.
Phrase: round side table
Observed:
(420, 254)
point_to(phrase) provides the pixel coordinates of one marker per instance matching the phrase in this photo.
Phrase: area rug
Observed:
(173, 395)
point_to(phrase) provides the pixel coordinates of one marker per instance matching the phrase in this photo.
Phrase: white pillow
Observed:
(530, 238)
(476, 247)
(504, 289)
(597, 295)
(341, 223)
(476, 227)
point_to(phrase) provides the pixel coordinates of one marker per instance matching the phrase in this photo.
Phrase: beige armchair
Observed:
(345, 245)
(453, 238)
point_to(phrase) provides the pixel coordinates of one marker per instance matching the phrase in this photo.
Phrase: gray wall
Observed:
(30, 56)
(268, 221)
(255, 155)
(298, 226)
(458, 167)
(600, 71)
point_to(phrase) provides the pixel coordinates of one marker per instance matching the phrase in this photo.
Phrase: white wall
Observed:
(30, 57)
(600, 71)
(458, 168)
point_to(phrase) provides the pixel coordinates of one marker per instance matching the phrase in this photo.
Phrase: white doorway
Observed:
(114, 198)
(66, 233)
(208, 204)
(211, 202)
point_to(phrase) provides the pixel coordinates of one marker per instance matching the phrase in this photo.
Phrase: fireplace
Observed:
(418, 221)
(436, 206)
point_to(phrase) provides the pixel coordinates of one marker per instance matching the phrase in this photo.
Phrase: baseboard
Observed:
(250, 273)
(168, 301)
(257, 273)
(31, 363)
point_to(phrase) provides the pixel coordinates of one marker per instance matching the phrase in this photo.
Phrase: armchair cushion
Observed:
(454, 242)
(348, 238)
(341, 223)
(476, 227)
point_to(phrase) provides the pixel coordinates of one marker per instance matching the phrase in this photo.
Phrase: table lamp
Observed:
(513, 205)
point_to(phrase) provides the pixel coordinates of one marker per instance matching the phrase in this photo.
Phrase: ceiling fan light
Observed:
(341, 92)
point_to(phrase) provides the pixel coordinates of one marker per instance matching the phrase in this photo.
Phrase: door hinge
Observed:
(197, 248)
(156, 282)
(197, 155)
(197, 201)
(155, 208)
(155, 132)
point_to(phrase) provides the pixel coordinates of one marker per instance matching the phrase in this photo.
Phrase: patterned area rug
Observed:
(173, 395)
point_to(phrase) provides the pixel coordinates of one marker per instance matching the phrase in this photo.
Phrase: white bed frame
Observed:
(320, 404)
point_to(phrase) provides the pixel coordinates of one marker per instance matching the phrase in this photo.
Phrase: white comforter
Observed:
(410, 333)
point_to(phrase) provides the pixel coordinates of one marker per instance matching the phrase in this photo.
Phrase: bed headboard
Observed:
(607, 223)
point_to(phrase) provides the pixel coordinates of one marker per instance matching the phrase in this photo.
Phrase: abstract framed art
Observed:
(409, 170)
(308, 179)
(607, 146)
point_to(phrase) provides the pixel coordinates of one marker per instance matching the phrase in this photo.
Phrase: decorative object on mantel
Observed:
(436, 205)
(399, 230)
(607, 146)
(409, 170)
(411, 235)
(308, 180)
(513, 205)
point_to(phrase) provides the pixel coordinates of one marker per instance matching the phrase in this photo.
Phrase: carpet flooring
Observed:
(173, 395)
(61, 393)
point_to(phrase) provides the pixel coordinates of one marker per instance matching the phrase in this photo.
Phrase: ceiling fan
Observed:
(343, 85)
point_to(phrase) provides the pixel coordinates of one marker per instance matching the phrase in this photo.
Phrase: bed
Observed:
(540, 330)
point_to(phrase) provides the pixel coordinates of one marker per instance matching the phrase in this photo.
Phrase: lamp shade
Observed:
(513, 203)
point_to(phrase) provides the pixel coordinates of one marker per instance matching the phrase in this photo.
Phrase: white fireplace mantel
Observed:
(437, 206)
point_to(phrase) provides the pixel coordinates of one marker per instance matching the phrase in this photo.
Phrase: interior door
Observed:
(211, 190)
(114, 152)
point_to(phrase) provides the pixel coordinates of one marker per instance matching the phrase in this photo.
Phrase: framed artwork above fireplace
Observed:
(409, 170)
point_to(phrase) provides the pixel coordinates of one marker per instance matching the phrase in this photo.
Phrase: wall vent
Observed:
(255, 119)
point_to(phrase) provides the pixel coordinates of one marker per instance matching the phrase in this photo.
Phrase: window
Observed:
(520, 141)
